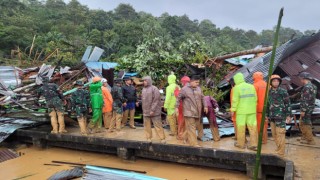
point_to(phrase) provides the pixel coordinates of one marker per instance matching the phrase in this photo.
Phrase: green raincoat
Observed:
(96, 103)
(170, 101)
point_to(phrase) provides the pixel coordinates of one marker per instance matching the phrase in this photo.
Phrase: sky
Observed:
(243, 14)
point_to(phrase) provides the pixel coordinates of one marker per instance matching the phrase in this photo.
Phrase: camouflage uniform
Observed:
(279, 106)
(118, 100)
(80, 101)
(54, 104)
(278, 109)
(307, 105)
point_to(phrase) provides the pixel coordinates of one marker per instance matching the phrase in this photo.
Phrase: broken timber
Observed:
(236, 54)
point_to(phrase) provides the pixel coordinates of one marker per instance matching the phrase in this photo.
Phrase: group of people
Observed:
(247, 102)
(185, 106)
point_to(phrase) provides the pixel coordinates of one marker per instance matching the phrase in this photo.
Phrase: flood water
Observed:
(30, 165)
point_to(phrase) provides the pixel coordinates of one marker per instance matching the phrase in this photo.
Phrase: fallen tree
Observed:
(211, 61)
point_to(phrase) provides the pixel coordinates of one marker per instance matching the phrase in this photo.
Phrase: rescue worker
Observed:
(80, 104)
(244, 104)
(118, 103)
(261, 86)
(96, 105)
(307, 105)
(107, 106)
(151, 107)
(130, 94)
(193, 102)
(170, 103)
(233, 116)
(185, 80)
(213, 108)
(54, 103)
(278, 111)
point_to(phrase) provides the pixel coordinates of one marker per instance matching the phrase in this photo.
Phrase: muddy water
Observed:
(31, 165)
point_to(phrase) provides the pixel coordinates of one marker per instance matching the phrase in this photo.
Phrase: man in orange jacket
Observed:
(260, 85)
(107, 107)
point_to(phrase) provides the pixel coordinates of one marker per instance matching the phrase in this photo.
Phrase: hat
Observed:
(195, 77)
(275, 76)
(305, 75)
(96, 79)
(127, 78)
(79, 83)
(118, 80)
(103, 80)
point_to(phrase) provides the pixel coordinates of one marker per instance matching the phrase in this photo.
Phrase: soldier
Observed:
(130, 94)
(278, 111)
(307, 105)
(54, 102)
(96, 104)
(118, 102)
(80, 101)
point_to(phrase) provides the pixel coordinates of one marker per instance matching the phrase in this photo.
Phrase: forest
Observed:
(138, 41)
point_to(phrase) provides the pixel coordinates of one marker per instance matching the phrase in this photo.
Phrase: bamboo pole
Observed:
(275, 42)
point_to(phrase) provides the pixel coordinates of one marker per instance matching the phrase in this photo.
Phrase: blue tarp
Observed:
(130, 74)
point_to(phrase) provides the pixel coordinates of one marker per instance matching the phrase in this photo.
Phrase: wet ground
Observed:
(31, 166)
(305, 158)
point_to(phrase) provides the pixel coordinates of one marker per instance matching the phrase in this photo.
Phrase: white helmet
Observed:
(103, 80)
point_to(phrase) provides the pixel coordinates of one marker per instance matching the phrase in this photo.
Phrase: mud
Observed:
(31, 165)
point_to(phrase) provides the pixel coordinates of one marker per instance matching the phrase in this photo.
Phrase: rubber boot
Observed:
(253, 138)
(308, 135)
(131, 122)
(273, 130)
(281, 140)
(54, 122)
(303, 132)
(124, 118)
(215, 134)
(83, 128)
(173, 124)
(61, 122)
(118, 121)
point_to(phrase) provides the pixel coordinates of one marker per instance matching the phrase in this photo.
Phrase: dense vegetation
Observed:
(147, 44)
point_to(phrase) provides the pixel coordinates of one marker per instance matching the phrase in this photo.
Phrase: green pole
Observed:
(74, 89)
(275, 42)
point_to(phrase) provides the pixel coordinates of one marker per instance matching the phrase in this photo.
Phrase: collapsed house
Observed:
(292, 58)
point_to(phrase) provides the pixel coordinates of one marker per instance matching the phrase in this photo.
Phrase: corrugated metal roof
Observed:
(9, 125)
(10, 76)
(290, 58)
(67, 174)
(258, 64)
(99, 65)
(7, 154)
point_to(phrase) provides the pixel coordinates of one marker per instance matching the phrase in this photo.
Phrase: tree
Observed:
(208, 29)
(154, 57)
(100, 20)
(125, 12)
